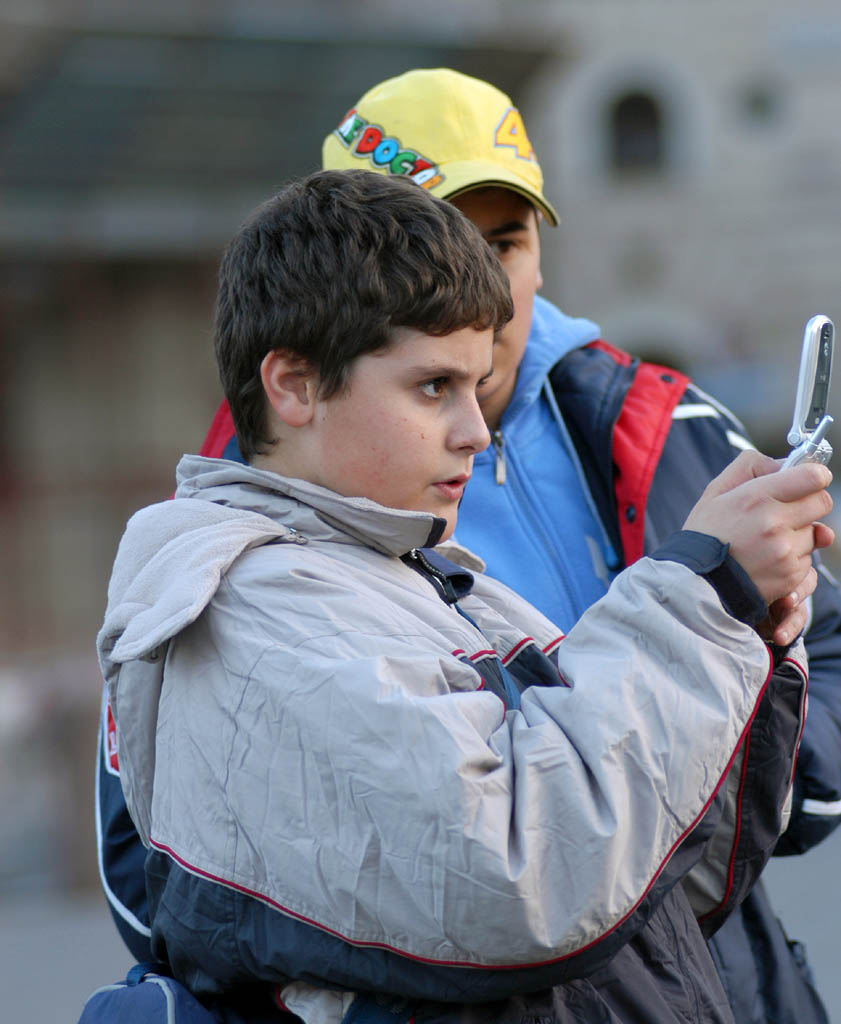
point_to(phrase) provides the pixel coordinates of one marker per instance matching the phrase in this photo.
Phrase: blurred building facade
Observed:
(693, 151)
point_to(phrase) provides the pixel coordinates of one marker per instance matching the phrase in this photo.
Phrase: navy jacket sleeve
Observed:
(816, 807)
(121, 855)
(698, 448)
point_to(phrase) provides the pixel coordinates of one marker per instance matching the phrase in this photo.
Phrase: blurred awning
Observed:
(143, 144)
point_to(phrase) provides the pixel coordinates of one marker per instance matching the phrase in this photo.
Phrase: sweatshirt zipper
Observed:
(500, 467)
(531, 517)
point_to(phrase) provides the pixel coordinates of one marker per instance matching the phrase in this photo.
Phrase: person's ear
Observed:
(290, 385)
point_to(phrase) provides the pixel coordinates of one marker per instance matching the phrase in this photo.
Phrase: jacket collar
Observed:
(310, 510)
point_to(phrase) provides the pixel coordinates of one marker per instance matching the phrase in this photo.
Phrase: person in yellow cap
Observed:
(596, 458)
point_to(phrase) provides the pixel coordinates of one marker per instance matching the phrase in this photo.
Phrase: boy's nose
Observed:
(472, 431)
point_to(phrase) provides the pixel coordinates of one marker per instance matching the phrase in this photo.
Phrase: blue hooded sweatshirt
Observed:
(527, 510)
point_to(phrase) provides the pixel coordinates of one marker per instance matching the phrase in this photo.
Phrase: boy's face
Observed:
(405, 430)
(509, 225)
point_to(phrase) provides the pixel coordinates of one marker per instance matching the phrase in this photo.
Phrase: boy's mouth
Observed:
(453, 488)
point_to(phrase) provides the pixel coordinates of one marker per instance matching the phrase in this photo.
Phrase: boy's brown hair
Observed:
(328, 268)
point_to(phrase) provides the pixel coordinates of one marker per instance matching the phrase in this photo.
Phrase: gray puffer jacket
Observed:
(348, 783)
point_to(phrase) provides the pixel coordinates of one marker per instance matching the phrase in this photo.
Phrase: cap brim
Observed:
(464, 177)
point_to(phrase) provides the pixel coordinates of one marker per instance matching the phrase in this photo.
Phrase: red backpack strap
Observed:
(638, 439)
(221, 431)
(616, 354)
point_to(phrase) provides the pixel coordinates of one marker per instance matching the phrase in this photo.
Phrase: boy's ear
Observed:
(290, 385)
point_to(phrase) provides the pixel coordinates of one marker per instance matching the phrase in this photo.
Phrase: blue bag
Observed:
(145, 997)
(150, 996)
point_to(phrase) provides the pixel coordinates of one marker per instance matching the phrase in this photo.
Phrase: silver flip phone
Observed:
(811, 422)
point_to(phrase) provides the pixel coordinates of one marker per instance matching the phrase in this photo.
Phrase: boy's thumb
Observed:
(748, 465)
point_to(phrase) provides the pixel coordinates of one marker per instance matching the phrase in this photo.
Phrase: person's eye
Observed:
(502, 246)
(434, 388)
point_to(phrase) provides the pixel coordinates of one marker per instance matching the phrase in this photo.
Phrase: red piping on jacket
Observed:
(373, 944)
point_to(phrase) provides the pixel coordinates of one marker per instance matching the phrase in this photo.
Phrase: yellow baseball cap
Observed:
(445, 130)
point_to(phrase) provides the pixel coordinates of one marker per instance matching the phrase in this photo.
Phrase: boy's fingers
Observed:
(798, 481)
(788, 616)
(790, 628)
(823, 535)
(791, 524)
(748, 465)
(803, 590)
(792, 499)
(806, 511)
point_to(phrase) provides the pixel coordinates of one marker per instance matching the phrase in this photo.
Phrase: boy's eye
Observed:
(434, 388)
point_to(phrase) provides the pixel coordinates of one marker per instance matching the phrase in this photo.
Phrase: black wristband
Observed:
(708, 557)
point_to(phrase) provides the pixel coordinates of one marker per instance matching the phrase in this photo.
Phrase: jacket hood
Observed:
(173, 554)
(172, 558)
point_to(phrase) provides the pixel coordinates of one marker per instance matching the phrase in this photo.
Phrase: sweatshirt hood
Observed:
(553, 334)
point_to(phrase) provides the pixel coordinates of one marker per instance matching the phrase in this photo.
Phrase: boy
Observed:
(596, 457)
(355, 767)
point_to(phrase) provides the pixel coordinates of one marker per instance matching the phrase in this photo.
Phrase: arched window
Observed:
(636, 134)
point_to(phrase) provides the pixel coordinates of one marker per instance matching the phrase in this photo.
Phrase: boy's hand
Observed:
(787, 617)
(769, 519)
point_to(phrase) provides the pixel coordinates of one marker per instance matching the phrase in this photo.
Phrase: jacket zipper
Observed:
(510, 689)
(435, 575)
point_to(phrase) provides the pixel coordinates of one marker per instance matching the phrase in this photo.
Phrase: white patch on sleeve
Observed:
(822, 807)
(740, 442)
(693, 411)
